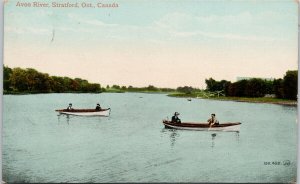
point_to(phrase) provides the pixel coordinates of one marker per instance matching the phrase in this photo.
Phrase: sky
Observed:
(167, 43)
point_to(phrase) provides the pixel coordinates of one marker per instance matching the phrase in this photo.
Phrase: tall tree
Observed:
(278, 88)
(290, 84)
(255, 88)
(6, 75)
(19, 80)
(240, 88)
(210, 84)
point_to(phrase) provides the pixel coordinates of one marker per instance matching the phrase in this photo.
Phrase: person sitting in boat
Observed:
(175, 118)
(213, 120)
(70, 107)
(98, 107)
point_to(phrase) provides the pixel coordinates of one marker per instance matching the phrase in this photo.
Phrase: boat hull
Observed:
(228, 127)
(85, 112)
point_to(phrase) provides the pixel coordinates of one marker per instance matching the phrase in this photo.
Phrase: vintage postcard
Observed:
(109, 91)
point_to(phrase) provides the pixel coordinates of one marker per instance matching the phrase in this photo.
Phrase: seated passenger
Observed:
(70, 107)
(98, 107)
(213, 120)
(175, 118)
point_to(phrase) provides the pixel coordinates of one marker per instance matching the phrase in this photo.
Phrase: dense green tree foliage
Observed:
(237, 88)
(213, 85)
(18, 80)
(255, 88)
(29, 80)
(290, 85)
(6, 75)
(185, 89)
(278, 88)
(167, 90)
(149, 88)
(287, 87)
(116, 87)
(152, 88)
(282, 88)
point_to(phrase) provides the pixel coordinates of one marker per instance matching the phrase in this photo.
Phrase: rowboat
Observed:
(85, 112)
(232, 127)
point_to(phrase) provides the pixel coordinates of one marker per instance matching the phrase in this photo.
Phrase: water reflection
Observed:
(237, 136)
(174, 134)
(64, 115)
(213, 136)
(68, 118)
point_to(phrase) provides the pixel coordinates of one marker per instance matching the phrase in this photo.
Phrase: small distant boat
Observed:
(189, 99)
(85, 112)
(232, 127)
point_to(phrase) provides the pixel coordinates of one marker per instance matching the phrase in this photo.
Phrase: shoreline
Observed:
(287, 103)
(266, 100)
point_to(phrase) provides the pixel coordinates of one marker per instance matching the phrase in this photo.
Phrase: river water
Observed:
(132, 145)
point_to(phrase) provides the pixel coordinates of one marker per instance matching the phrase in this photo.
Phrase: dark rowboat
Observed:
(85, 112)
(203, 126)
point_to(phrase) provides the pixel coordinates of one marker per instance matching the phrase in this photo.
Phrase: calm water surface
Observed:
(133, 146)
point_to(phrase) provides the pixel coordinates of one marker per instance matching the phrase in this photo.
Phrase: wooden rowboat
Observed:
(85, 112)
(233, 127)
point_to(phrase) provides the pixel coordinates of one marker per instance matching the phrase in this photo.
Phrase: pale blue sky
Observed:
(163, 43)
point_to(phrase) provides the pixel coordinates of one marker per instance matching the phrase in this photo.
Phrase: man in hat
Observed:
(98, 107)
(70, 107)
(175, 118)
(213, 120)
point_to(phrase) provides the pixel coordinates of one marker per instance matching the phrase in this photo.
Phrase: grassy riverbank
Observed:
(269, 100)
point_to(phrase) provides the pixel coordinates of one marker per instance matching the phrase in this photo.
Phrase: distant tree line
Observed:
(130, 88)
(151, 88)
(18, 80)
(188, 89)
(285, 88)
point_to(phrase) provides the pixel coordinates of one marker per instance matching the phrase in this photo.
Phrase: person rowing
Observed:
(98, 107)
(70, 107)
(175, 118)
(213, 120)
